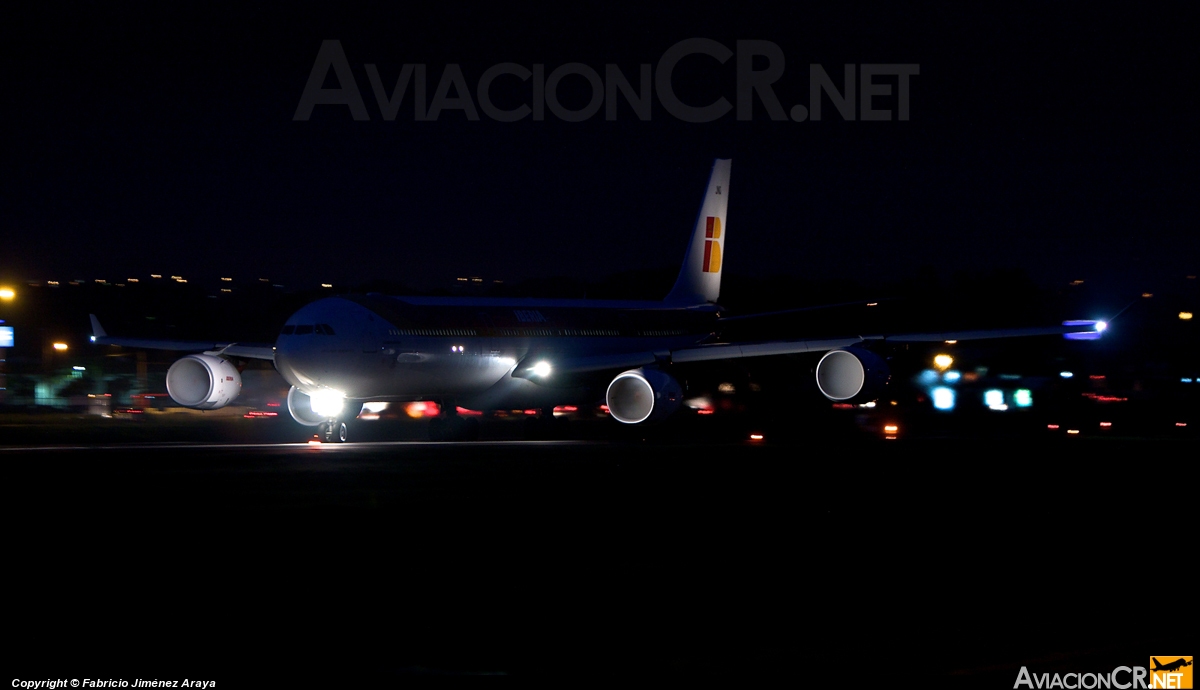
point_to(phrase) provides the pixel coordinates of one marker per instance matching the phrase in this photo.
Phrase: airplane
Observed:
(1172, 666)
(338, 353)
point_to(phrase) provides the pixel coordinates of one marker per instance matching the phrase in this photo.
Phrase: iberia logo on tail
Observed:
(712, 245)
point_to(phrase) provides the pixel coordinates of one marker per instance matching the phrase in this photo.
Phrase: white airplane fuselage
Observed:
(379, 348)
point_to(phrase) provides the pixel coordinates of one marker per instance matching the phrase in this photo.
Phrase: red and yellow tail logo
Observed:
(1171, 672)
(712, 245)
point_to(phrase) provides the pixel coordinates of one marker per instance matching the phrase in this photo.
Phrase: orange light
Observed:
(61, 347)
(1072, 431)
(756, 437)
(891, 428)
(1185, 316)
(422, 408)
(7, 294)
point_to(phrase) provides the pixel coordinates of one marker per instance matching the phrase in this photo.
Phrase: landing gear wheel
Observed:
(332, 431)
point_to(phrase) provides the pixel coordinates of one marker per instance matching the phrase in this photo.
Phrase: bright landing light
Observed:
(7, 294)
(541, 369)
(327, 403)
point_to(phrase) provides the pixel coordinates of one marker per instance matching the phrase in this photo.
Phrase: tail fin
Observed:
(1157, 664)
(97, 330)
(699, 280)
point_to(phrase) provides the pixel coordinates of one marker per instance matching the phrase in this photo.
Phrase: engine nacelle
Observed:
(300, 405)
(203, 382)
(643, 395)
(852, 375)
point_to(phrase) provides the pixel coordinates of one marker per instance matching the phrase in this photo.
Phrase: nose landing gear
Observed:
(332, 431)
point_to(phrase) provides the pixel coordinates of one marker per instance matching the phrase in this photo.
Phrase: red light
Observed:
(1180, 423)
(704, 411)
(565, 408)
(604, 409)
(1105, 425)
(1097, 377)
(531, 412)
(272, 404)
(468, 413)
(1051, 426)
(843, 406)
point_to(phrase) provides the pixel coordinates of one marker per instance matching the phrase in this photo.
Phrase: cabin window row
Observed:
(306, 329)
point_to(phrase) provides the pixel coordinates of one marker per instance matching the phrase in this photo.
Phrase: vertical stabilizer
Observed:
(699, 280)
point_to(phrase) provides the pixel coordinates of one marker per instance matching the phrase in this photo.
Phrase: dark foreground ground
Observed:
(945, 562)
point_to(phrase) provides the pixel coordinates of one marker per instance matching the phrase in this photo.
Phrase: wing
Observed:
(244, 350)
(719, 351)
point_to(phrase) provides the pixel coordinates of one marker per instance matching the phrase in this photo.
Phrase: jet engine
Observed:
(203, 382)
(852, 375)
(300, 405)
(643, 395)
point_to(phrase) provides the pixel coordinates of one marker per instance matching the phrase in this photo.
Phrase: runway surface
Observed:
(951, 562)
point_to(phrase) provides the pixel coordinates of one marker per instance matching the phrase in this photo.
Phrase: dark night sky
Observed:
(1057, 141)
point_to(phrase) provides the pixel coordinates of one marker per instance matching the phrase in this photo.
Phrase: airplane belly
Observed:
(432, 368)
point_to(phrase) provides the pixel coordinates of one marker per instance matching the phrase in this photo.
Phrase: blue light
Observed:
(943, 398)
(1023, 397)
(93, 338)
(1094, 334)
(1185, 380)
(993, 398)
(928, 377)
(951, 376)
(1065, 374)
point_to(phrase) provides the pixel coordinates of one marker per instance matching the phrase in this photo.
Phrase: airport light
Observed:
(951, 376)
(79, 368)
(994, 399)
(1185, 316)
(61, 347)
(1023, 397)
(7, 294)
(1065, 374)
(943, 361)
(943, 398)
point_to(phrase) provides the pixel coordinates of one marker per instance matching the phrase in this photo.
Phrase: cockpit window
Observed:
(288, 330)
(304, 330)
(325, 328)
